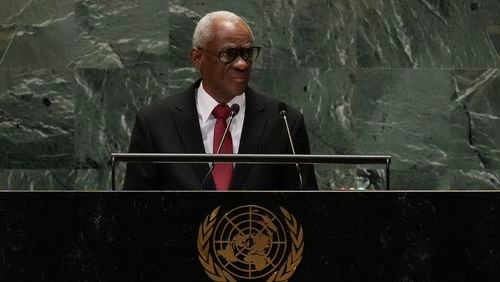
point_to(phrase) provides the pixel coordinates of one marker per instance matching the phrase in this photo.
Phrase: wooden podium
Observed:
(249, 236)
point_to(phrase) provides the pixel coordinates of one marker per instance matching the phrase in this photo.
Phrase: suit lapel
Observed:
(188, 127)
(251, 135)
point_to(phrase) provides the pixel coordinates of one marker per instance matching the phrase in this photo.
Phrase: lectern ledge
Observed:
(250, 159)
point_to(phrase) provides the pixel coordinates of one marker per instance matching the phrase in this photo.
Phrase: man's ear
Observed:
(196, 58)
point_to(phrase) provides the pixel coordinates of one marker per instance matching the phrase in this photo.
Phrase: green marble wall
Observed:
(418, 80)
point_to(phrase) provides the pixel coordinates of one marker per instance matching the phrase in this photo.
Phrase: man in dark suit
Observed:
(193, 121)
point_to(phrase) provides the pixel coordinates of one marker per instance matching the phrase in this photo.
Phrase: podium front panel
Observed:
(249, 236)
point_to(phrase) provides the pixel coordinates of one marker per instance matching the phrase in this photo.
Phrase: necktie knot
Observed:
(221, 111)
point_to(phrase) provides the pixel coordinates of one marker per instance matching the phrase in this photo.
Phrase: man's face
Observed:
(224, 81)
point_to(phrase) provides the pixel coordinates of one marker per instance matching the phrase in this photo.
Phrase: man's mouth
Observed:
(238, 78)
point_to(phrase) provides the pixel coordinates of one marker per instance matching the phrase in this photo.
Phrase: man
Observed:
(194, 121)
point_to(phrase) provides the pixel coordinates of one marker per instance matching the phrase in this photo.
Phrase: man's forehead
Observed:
(225, 40)
(235, 39)
(231, 27)
(230, 33)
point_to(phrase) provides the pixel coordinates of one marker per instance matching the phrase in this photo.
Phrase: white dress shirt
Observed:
(205, 105)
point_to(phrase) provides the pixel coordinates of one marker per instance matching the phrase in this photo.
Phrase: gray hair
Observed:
(204, 29)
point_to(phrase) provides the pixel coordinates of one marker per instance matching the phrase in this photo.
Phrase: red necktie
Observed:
(222, 172)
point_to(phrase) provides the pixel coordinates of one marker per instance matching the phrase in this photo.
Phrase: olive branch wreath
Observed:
(216, 273)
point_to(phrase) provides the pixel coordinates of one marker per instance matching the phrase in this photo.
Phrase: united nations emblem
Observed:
(250, 243)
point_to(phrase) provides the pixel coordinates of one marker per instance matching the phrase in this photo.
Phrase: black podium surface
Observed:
(329, 236)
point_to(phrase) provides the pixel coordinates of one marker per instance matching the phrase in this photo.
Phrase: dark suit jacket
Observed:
(171, 125)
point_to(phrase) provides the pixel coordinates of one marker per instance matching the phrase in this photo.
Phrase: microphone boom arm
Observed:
(283, 111)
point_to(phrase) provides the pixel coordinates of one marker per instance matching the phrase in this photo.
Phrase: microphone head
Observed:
(235, 109)
(282, 109)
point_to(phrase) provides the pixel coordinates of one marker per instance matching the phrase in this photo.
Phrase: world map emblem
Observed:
(250, 243)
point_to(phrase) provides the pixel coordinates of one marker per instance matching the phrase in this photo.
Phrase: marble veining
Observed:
(125, 45)
(426, 33)
(36, 120)
(417, 80)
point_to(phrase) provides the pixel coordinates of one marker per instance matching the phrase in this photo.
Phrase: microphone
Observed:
(282, 109)
(235, 109)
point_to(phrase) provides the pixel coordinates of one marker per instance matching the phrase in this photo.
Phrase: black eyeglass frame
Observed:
(239, 53)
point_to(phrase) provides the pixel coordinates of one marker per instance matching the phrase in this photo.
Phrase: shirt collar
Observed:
(205, 103)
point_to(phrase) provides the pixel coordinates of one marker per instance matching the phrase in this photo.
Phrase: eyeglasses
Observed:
(227, 56)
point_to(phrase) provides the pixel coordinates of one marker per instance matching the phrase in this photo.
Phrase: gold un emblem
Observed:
(250, 243)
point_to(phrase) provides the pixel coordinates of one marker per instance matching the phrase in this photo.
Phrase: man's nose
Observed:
(240, 63)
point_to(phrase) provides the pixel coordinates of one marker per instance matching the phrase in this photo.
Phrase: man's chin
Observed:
(238, 87)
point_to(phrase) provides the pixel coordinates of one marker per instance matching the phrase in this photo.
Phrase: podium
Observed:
(325, 236)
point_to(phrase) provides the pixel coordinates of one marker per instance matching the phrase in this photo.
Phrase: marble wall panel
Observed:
(117, 34)
(36, 118)
(43, 34)
(405, 113)
(426, 33)
(7, 33)
(414, 79)
(32, 179)
(53, 179)
(474, 179)
(324, 97)
(106, 106)
(475, 111)
(475, 119)
(34, 12)
(48, 46)
(105, 109)
(494, 37)
(292, 33)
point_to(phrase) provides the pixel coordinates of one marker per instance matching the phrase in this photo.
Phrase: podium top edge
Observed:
(251, 158)
(245, 191)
